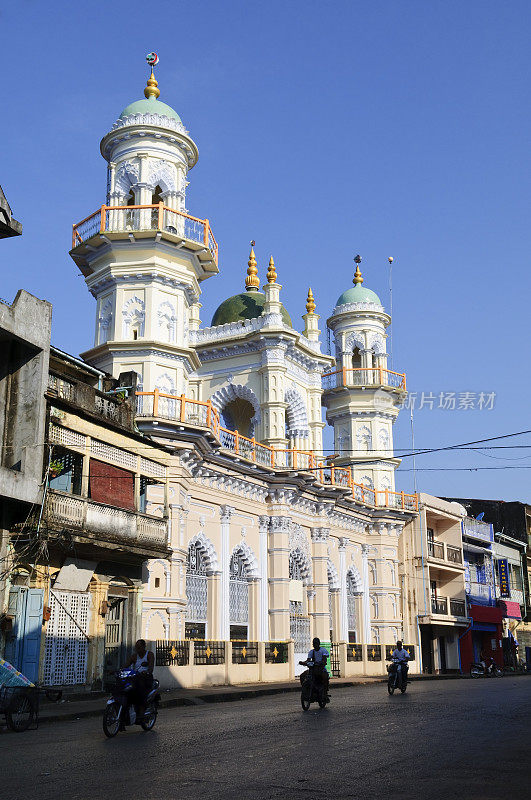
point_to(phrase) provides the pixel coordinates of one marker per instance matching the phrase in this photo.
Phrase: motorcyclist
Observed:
(401, 657)
(142, 661)
(319, 656)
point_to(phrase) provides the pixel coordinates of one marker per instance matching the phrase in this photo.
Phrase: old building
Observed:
(433, 582)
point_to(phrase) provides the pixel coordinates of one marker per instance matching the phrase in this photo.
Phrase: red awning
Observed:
(490, 614)
(510, 609)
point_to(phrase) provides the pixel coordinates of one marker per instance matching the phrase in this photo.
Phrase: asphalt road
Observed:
(443, 739)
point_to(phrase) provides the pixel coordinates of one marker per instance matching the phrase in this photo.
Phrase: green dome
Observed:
(150, 106)
(358, 294)
(247, 305)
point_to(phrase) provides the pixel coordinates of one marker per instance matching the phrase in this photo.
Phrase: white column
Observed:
(263, 522)
(343, 602)
(225, 513)
(366, 599)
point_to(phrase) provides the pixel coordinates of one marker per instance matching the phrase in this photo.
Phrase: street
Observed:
(443, 739)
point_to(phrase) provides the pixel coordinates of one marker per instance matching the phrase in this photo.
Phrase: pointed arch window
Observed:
(196, 592)
(238, 597)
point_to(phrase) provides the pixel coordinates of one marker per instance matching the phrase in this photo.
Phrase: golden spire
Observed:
(271, 272)
(357, 275)
(310, 302)
(251, 282)
(152, 89)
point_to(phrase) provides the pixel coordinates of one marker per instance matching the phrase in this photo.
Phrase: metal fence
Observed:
(276, 653)
(354, 652)
(209, 652)
(374, 652)
(172, 654)
(245, 652)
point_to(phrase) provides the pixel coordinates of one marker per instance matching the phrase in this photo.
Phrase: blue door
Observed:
(24, 645)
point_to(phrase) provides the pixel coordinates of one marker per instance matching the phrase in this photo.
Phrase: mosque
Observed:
(270, 540)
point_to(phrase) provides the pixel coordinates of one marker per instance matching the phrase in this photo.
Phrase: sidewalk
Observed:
(77, 706)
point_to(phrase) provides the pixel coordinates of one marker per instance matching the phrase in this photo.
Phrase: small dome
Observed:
(150, 106)
(247, 305)
(358, 294)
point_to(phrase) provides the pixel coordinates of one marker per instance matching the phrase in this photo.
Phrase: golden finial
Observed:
(310, 302)
(152, 89)
(251, 281)
(271, 272)
(357, 275)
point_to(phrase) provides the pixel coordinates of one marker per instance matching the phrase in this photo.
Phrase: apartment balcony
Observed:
(375, 377)
(482, 594)
(445, 556)
(105, 526)
(447, 609)
(86, 398)
(182, 413)
(145, 222)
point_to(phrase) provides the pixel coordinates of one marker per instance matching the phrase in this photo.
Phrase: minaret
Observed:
(142, 255)
(362, 397)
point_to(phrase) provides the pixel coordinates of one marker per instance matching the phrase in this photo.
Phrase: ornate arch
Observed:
(333, 577)
(165, 622)
(233, 391)
(249, 559)
(133, 314)
(355, 339)
(162, 174)
(364, 438)
(207, 550)
(299, 558)
(126, 176)
(296, 414)
(376, 343)
(354, 581)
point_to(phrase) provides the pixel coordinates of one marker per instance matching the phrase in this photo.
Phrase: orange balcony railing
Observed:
(203, 414)
(360, 376)
(125, 219)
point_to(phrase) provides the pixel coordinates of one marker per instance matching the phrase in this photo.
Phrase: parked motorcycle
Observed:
(491, 670)
(397, 677)
(313, 686)
(120, 711)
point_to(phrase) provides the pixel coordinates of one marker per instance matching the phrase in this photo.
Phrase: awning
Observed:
(484, 626)
(490, 614)
(510, 609)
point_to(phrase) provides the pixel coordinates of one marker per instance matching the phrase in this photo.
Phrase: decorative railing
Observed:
(276, 653)
(172, 653)
(373, 652)
(436, 550)
(454, 554)
(90, 399)
(361, 376)
(439, 605)
(477, 529)
(125, 219)
(202, 414)
(209, 652)
(457, 608)
(63, 510)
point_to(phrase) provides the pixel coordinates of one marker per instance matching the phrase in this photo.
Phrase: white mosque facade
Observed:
(269, 540)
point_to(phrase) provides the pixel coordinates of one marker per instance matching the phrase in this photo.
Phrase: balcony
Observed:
(480, 593)
(441, 552)
(104, 523)
(87, 398)
(119, 222)
(181, 411)
(441, 605)
(475, 529)
(359, 376)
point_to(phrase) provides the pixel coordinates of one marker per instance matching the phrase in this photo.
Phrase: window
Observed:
(65, 471)
(515, 577)
(157, 583)
(196, 591)
(111, 485)
(238, 597)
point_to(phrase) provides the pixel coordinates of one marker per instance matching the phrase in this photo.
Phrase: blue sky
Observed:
(324, 130)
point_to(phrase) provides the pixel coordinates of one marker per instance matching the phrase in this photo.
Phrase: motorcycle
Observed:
(397, 677)
(120, 711)
(313, 687)
(491, 670)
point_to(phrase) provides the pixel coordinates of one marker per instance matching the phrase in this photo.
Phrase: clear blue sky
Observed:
(324, 130)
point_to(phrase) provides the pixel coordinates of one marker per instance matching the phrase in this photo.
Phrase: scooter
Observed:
(397, 677)
(120, 711)
(313, 687)
(492, 670)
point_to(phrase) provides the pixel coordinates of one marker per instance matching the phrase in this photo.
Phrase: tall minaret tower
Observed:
(143, 256)
(362, 396)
